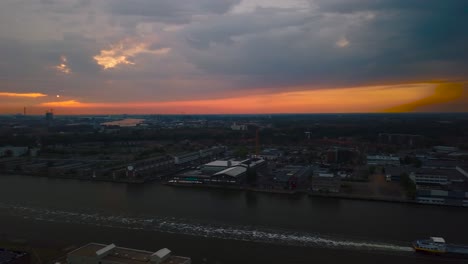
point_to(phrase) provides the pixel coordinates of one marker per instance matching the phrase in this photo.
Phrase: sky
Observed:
(233, 56)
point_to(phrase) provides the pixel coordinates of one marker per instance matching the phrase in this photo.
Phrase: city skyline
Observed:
(232, 57)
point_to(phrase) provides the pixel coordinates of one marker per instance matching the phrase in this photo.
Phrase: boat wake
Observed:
(186, 227)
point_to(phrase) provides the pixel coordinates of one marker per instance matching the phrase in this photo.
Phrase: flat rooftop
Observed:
(124, 255)
(7, 256)
(221, 163)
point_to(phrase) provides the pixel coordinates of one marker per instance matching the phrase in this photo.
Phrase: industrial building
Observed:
(232, 175)
(441, 186)
(94, 253)
(424, 176)
(218, 165)
(219, 172)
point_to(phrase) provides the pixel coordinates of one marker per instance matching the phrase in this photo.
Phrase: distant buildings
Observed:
(401, 139)
(94, 253)
(237, 127)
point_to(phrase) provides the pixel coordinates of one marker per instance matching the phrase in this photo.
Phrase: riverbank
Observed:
(344, 196)
(249, 189)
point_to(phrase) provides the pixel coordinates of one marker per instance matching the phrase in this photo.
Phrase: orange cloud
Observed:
(344, 100)
(123, 52)
(29, 95)
(443, 93)
(68, 103)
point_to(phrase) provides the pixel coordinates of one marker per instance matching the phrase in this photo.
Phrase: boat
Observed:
(438, 246)
(431, 245)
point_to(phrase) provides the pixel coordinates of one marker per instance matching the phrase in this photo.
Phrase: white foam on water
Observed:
(180, 226)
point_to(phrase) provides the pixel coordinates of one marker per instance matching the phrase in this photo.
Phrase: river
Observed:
(223, 226)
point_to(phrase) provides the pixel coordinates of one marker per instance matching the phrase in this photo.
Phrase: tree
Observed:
(241, 152)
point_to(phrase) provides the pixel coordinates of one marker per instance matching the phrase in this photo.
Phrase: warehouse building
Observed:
(94, 253)
(232, 175)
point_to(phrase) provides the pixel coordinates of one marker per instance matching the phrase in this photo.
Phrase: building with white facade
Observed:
(94, 253)
(383, 160)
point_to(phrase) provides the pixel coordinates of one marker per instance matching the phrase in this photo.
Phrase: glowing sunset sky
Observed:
(233, 56)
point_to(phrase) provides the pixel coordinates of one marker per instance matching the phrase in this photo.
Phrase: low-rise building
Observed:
(94, 253)
(442, 197)
(424, 176)
(218, 165)
(232, 175)
(383, 160)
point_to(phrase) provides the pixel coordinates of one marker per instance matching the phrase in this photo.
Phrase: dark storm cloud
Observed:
(172, 11)
(224, 45)
(456, 6)
(388, 40)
